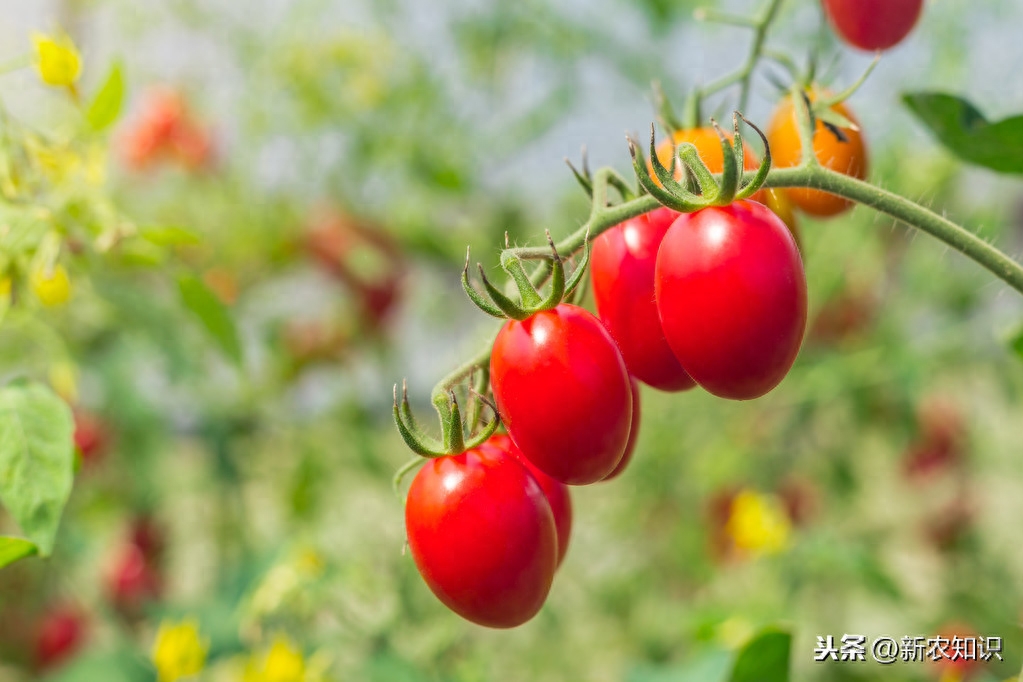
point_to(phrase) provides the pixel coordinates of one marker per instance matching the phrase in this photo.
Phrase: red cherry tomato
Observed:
(132, 581)
(91, 436)
(633, 434)
(873, 24)
(731, 293)
(622, 269)
(563, 393)
(59, 635)
(482, 535)
(556, 492)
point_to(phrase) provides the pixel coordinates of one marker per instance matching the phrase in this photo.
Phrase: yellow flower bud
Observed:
(52, 288)
(179, 651)
(57, 60)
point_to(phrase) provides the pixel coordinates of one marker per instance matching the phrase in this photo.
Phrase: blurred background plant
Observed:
(228, 228)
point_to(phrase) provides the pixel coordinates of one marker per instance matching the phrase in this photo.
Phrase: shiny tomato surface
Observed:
(633, 434)
(622, 271)
(482, 535)
(563, 393)
(731, 294)
(873, 24)
(557, 493)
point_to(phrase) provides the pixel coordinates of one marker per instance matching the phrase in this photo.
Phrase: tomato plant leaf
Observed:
(1016, 343)
(213, 315)
(964, 131)
(106, 105)
(37, 459)
(765, 658)
(13, 549)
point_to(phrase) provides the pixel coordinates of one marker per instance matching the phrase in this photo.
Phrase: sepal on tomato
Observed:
(700, 188)
(530, 300)
(457, 435)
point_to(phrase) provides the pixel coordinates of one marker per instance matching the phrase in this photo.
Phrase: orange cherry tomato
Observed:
(849, 156)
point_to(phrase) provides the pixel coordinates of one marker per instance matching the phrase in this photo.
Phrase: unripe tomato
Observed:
(59, 634)
(707, 143)
(622, 270)
(873, 24)
(482, 535)
(731, 294)
(780, 204)
(556, 492)
(563, 393)
(633, 434)
(849, 157)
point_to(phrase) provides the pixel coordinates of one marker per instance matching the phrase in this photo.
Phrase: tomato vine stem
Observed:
(809, 175)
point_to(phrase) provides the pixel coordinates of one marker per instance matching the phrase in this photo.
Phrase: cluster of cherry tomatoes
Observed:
(716, 298)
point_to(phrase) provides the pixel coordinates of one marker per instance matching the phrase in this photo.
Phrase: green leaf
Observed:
(214, 316)
(170, 236)
(13, 549)
(765, 658)
(964, 131)
(37, 459)
(1016, 343)
(106, 105)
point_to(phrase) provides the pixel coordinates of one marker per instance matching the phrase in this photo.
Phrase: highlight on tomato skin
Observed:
(873, 25)
(622, 263)
(734, 274)
(562, 390)
(483, 536)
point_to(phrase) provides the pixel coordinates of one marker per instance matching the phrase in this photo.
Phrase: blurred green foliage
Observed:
(244, 386)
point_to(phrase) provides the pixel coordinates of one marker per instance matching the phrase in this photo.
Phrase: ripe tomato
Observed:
(92, 437)
(556, 492)
(563, 393)
(622, 269)
(873, 24)
(362, 256)
(58, 636)
(731, 293)
(483, 536)
(849, 157)
(132, 580)
(633, 435)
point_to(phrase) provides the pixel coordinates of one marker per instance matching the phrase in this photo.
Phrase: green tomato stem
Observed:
(603, 217)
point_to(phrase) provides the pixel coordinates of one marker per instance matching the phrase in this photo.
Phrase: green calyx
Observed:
(457, 434)
(498, 304)
(700, 188)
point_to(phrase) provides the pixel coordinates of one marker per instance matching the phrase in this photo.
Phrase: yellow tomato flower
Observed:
(179, 651)
(281, 663)
(52, 288)
(5, 289)
(57, 59)
(758, 523)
